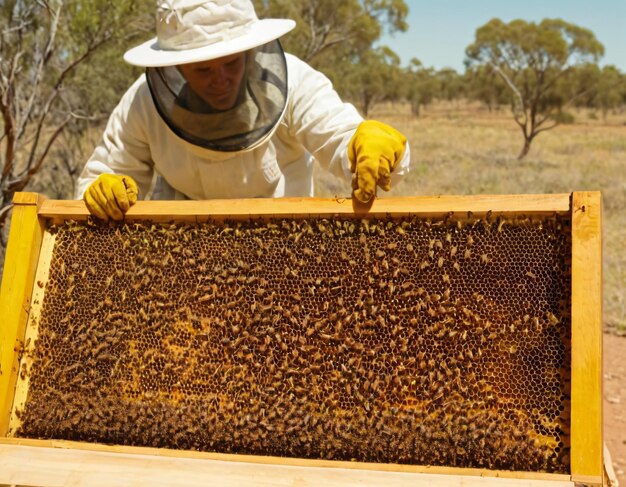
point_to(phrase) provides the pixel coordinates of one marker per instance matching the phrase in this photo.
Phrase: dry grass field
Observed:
(459, 149)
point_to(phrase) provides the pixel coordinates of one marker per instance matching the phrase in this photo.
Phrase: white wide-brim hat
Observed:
(190, 31)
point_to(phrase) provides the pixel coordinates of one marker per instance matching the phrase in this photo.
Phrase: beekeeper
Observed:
(223, 112)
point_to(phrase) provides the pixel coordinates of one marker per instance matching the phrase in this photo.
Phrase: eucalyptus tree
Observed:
(483, 84)
(532, 58)
(422, 85)
(52, 77)
(330, 29)
(451, 86)
(611, 90)
(375, 77)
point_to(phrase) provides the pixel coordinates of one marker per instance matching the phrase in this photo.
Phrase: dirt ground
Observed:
(615, 402)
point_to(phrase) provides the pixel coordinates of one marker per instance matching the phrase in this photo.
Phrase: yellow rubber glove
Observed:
(110, 196)
(374, 151)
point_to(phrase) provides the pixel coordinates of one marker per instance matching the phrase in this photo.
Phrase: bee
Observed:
(501, 224)
(23, 372)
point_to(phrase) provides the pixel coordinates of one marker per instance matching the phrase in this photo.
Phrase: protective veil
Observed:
(260, 105)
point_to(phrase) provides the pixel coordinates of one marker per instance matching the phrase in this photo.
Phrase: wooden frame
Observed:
(21, 260)
(52, 462)
(586, 419)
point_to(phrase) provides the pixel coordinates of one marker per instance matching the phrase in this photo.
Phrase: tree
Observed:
(375, 77)
(451, 85)
(610, 90)
(531, 58)
(583, 83)
(421, 85)
(483, 84)
(347, 27)
(47, 84)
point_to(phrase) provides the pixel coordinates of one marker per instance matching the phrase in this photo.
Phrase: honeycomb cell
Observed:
(406, 340)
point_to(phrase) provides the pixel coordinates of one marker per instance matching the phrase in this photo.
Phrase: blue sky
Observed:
(440, 30)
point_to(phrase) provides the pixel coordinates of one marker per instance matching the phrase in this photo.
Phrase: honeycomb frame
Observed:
(583, 208)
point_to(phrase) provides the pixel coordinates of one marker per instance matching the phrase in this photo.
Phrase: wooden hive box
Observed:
(49, 462)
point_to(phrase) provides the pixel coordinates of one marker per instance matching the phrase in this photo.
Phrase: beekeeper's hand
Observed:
(110, 196)
(374, 151)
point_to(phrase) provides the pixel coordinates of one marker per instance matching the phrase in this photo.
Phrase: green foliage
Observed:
(60, 71)
(610, 90)
(565, 118)
(347, 26)
(518, 45)
(483, 84)
(536, 61)
(376, 77)
(421, 85)
(98, 82)
(451, 85)
(582, 84)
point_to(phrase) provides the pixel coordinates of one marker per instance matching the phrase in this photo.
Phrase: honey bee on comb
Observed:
(393, 340)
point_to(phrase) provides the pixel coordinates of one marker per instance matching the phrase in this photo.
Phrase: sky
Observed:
(440, 30)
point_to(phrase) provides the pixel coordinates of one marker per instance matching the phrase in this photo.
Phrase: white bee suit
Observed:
(316, 125)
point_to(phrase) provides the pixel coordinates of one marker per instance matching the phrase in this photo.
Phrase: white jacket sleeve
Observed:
(318, 118)
(124, 147)
(322, 122)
